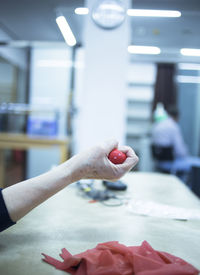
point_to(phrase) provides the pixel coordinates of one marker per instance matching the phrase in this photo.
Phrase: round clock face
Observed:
(108, 14)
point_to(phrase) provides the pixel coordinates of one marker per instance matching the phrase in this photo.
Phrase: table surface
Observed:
(69, 220)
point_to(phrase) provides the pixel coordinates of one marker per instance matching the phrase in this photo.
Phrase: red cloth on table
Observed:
(112, 258)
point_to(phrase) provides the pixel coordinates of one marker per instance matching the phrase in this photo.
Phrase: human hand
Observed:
(94, 162)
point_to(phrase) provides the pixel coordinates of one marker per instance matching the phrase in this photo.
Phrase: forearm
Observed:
(22, 197)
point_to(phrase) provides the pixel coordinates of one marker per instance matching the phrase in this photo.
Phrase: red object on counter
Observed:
(117, 157)
(113, 258)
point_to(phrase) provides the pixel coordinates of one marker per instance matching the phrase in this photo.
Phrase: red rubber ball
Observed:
(117, 157)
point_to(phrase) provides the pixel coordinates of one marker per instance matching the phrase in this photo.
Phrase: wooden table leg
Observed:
(63, 153)
(1, 168)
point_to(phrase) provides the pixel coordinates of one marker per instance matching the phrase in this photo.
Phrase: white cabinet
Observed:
(140, 92)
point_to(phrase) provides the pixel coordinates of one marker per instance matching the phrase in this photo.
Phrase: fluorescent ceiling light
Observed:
(189, 66)
(190, 52)
(81, 11)
(153, 13)
(143, 50)
(188, 79)
(66, 30)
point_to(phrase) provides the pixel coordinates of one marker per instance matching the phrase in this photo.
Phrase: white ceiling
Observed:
(168, 32)
(34, 20)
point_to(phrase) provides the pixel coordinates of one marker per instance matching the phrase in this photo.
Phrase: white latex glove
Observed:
(22, 197)
(94, 162)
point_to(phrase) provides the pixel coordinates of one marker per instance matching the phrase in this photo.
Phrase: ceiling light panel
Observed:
(66, 30)
(153, 13)
(190, 52)
(143, 50)
(81, 11)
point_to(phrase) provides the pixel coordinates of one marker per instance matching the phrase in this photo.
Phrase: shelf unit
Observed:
(140, 92)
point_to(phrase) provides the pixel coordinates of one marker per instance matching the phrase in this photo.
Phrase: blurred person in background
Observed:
(166, 133)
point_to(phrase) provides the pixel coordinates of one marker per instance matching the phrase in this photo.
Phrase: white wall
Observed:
(78, 98)
(140, 80)
(188, 103)
(13, 55)
(49, 87)
(49, 84)
(7, 74)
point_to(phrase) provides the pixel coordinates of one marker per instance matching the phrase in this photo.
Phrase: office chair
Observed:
(165, 162)
(163, 155)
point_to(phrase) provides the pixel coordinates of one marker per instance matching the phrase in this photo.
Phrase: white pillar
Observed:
(102, 114)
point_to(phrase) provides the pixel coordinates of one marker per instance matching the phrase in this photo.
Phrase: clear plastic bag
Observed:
(154, 209)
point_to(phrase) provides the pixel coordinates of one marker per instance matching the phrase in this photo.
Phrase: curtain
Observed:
(165, 90)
